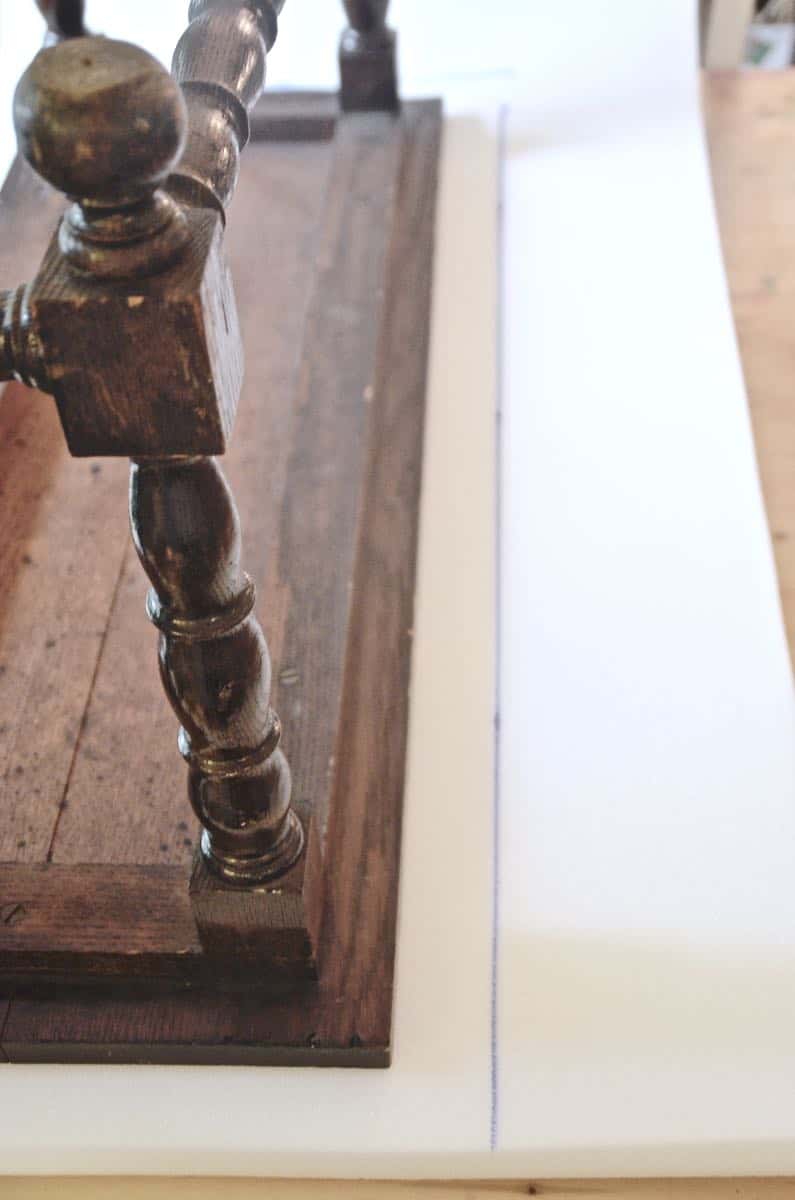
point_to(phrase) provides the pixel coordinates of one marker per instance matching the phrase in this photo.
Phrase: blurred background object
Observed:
(747, 33)
(771, 37)
(64, 17)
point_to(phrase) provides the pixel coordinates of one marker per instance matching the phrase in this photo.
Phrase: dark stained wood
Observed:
(103, 122)
(330, 426)
(128, 746)
(264, 930)
(140, 345)
(120, 409)
(295, 117)
(63, 17)
(60, 554)
(108, 925)
(220, 61)
(55, 593)
(131, 324)
(345, 1018)
(97, 920)
(215, 668)
(367, 58)
(323, 509)
(132, 292)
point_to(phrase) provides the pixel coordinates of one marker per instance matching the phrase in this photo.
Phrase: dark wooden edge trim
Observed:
(295, 117)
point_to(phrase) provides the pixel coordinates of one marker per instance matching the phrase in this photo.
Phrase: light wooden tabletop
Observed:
(751, 132)
(84, 1188)
(751, 129)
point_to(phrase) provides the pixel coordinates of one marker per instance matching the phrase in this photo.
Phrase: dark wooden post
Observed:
(64, 17)
(220, 62)
(131, 324)
(215, 666)
(368, 72)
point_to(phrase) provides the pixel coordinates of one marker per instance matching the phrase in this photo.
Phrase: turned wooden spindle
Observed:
(220, 63)
(215, 666)
(131, 324)
(367, 53)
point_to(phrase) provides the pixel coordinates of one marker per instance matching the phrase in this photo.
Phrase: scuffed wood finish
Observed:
(345, 1018)
(61, 550)
(128, 752)
(131, 324)
(130, 321)
(216, 671)
(220, 62)
(751, 129)
(102, 920)
(331, 425)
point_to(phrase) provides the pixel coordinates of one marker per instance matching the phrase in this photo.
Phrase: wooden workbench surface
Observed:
(751, 129)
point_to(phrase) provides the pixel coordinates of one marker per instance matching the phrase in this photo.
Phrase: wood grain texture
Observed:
(751, 129)
(129, 321)
(61, 550)
(131, 324)
(143, 395)
(361, 596)
(325, 505)
(128, 747)
(128, 1188)
(110, 920)
(220, 62)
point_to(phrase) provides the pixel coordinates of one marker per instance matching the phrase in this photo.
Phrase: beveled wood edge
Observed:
(197, 1054)
(288, 116)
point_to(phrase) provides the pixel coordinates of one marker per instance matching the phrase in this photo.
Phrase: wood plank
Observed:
(100, 920)
(120, 1188)
(310, 587)
(346, 1018)
(171, 1188)
(751, 128)
(371, 739)
(60, 558)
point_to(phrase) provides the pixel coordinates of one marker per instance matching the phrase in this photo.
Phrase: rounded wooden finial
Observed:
(104, 122)
(101, 120)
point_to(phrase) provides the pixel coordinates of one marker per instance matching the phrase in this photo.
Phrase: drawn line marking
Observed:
(495, 875)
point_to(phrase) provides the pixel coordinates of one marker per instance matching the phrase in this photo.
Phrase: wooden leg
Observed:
(368, 74)
(215, 666)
